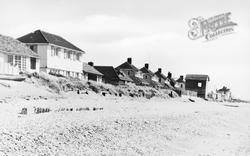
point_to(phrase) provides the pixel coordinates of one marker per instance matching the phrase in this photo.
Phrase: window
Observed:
(74, 55)
(68, 55)
(57, 51)
(52, 51)
(199, 84)
(78, 57)
(18, 62)
(65, 53)
(23, 62)
(11, 59)
(67, 73)
(32, 63)
(34, 48)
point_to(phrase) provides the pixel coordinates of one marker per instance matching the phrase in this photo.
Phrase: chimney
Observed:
(159, 70)
(129, 60)
(169, 75)
(181, 77)
(91, 64)
(146, 65)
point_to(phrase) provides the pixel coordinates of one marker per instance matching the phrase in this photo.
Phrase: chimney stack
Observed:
(129, 60)
(159, 70)
(91, 64)
(169, 75)
(146, 65)
(181, 77)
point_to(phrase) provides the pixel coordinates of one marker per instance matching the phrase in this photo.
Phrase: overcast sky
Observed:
(149, 31)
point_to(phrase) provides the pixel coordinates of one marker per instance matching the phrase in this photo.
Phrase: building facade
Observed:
(90, 73)
(197, 83)
(15, 57)
(58, 56)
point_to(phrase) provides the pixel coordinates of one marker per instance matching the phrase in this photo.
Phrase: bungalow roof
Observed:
(10, 45)
(44, 37)
(108, 72)
(90, 69)
(127, 65)
(197, 77)
(146, 71)
(160, 75)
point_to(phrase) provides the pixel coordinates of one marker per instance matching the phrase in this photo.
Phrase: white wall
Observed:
(5, 67)
(28, 67)
(42, 52)
(59, 62)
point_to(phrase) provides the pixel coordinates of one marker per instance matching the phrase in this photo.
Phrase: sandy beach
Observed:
(96, 125)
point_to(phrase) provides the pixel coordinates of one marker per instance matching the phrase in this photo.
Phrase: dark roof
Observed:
(146, 71)
(43, 37)
(197, 77)
(180, 80)
(224, 89)
(160, 75)
(127, 65)
(12, 46)
(89, 69)
(123, 76)
(139, 81)
(108, 72)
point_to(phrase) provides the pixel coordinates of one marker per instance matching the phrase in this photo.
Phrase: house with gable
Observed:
(112, 76)
(90, 73)
(16, 57)
(128, 68)
(161, 78)
(58, 56)
(180, 83)
(149, 76)
(224, 94)
(133, 72)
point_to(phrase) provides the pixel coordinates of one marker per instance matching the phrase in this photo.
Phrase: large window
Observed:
(32, 63)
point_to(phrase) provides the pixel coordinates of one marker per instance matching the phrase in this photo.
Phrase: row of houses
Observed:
(50, 53)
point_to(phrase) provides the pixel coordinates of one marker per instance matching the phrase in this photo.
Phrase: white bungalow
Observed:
(16, 57)
(58, 56)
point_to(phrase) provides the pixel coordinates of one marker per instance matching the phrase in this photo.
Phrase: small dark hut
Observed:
(197, 83)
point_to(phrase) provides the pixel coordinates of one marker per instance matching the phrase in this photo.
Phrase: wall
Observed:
(42, 52)
(128, 72)
(192, 85)
(29, 67)
(6, 68)
(59, 62)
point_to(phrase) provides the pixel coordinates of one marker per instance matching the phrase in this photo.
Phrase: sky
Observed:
(149, 31)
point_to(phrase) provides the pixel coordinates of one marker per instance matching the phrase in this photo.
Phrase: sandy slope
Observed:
(125, 126)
